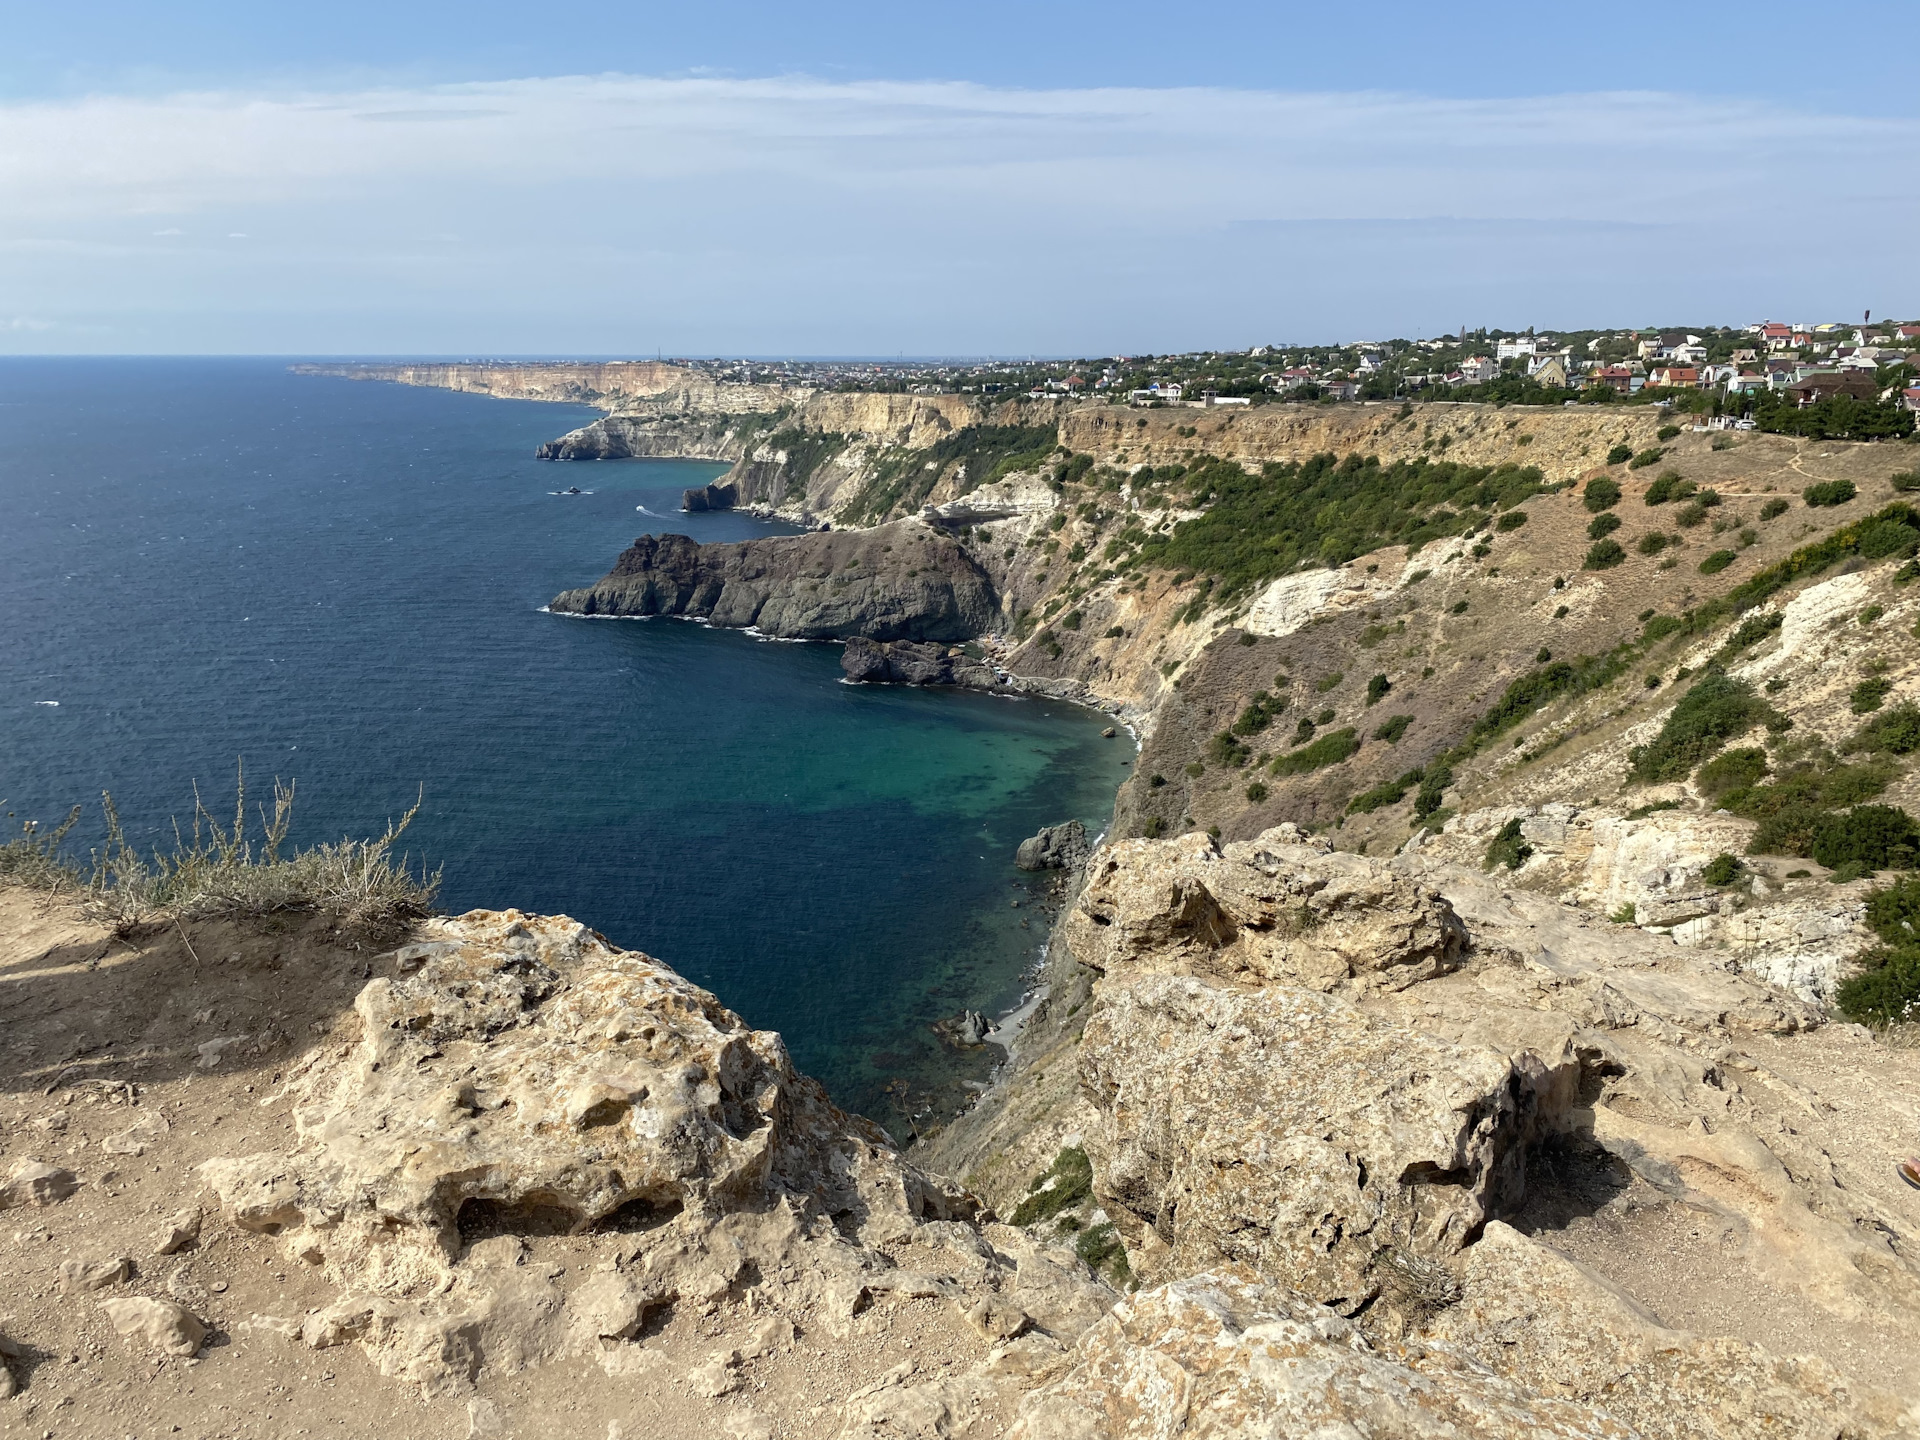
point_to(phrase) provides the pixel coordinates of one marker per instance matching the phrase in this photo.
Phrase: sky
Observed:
(485, 179)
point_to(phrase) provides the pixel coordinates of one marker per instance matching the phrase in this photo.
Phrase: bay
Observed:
(212, 561)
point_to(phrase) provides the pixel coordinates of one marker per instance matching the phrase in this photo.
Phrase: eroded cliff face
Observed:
(641, 386)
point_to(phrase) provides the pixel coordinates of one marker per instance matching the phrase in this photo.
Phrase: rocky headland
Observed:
(1442, 1043)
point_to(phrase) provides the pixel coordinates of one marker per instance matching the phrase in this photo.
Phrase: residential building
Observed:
(1479, 370)
(1674, 377)
(1513, 349)
(1551, 372)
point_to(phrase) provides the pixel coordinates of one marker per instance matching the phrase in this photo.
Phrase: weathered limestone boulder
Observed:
(156, 1325)
(33, 1182)
(895, 582)
(1056, 847)
(1271, 909)
(908, 662)
(1287, 1132)
(516, 1074)
(1216, 1357)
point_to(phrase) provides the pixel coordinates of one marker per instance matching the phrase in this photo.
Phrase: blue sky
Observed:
(487, 178)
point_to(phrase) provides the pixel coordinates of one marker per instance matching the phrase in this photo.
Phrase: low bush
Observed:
(1258, 713)
(1892, 732)
(1878, 837)
(1619, 454)
(1601, 493)
(1646, 458)
(1064, 1185)
(1652, 543)
(1670, 486)
(1712, 712)
(1602, 525)
(1512, 520)
(1737, 769)
(1395, 726)
(1329, 749)
(1377, 688)
(1775, 508)
(1905, 479)
(1387, 792)
(1887, 989)
(1716, 562)
(1604, 555)
(1829, 492)
(1257, 791)
(1329, 682)
(1867, 695)
(1433, 785)
(1666, 432)
(1723, 869)
(1507, 848)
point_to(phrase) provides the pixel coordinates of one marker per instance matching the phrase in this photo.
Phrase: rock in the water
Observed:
(157, 1325)
(895, 582)
(1057, 847)
(906, 662)
(31, 1182)
(717, 496)
(1218, 1358)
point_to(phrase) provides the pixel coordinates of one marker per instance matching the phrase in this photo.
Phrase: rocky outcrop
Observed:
(716, 496)
(907, 662)
(1217, 1357)
(1056, 847)
(895, 582)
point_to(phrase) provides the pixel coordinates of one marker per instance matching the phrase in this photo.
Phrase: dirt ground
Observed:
(130, 1062)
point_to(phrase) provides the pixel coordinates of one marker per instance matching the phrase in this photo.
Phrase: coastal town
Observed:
(1733, 377)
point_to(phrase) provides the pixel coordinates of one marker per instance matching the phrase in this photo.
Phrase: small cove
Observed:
(341, 582)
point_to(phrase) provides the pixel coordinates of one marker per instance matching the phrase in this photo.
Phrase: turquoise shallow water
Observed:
(341, 582)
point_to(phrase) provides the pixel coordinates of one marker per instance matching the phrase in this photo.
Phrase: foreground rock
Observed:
(156, 1325)
(906, 662)
(896, 582)
(1056, 847)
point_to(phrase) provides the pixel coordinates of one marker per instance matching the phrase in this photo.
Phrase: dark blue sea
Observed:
(340, 583)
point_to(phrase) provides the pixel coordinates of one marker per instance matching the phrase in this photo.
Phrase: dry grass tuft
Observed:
(223, 871)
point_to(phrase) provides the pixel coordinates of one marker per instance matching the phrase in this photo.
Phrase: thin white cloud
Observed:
(708, 201)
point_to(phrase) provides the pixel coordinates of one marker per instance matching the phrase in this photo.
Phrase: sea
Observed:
(214, 564)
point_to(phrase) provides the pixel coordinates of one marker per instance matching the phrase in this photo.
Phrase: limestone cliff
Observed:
(896, 582)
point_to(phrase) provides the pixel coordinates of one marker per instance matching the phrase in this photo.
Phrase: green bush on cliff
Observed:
(1330, 749)
(1711, 713)
(1064, 1185)
(1325, 511)
(903, 478)
(1507, 848)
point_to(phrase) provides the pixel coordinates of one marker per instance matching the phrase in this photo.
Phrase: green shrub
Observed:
(1257, 791)
(1224, 750)
(1104, 1251)
(1716, 562)
(1750, 632)
(1812, 559)
(1153, 828)
(1387, 792)
(1867, 695)
(1433, 786)
(1651, 543)
(1394, 727)
(1601, 493)
(1324, 511)
(1195, 769)
(1775, 508)
(1882, 538)
(1836, 417)
(1602, 525)
(1670, 486)
(1329, 749)
(1892, 732)
(1064, 1185)
(1619, 454)
(1459, 607)
(1879, 837)
(1829, 492)
(1329, 682)
(1906, 480)
(1259, 712)
(1691, 514)
(1507, 848)
(1723, 869)
(1512, 520)
(1604, 555)
(1646, 458)
(1737, 769)
(1711, 713)
(1887, 991)
(1377, 688)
